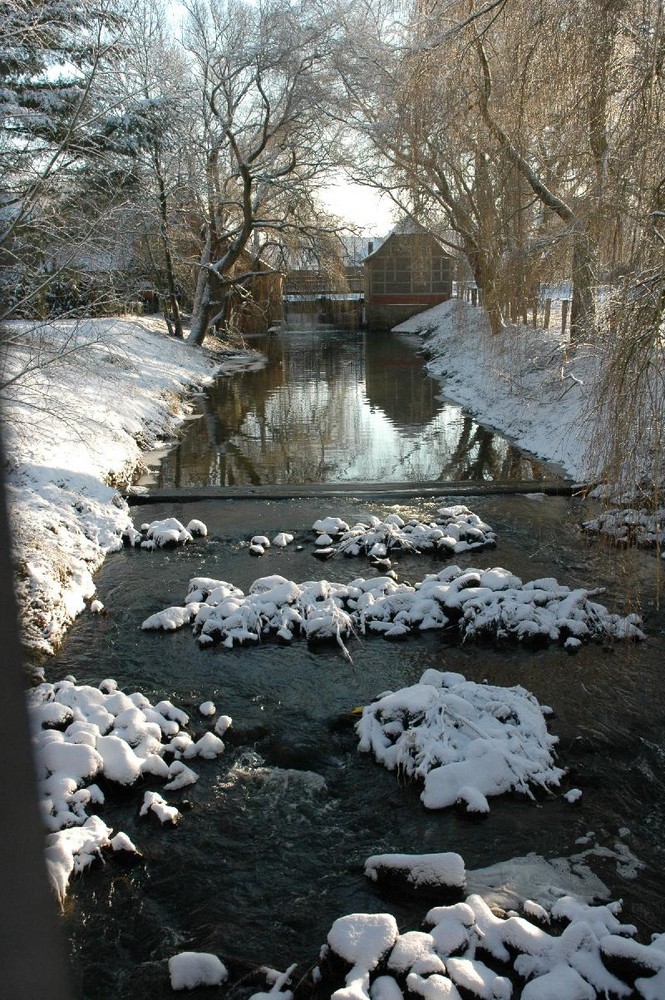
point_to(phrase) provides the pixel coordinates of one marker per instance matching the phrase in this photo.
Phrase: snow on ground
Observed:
(92, 395)
(529, 384)
(522, 382)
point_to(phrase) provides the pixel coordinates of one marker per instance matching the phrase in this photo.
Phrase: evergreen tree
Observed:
(54, 127)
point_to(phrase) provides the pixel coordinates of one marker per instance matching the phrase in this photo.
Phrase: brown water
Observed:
(273, 847)
(332, 406)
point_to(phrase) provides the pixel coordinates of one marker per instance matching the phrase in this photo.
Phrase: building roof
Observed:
(408, 226)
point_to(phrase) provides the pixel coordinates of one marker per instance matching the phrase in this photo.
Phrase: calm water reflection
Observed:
(337, 406)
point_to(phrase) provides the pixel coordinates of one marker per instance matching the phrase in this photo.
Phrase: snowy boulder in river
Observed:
(282, 539)
(190, 969)
(197, 529)
(454, 529)
(472, 603)
(153, 802)
(330, 526)
(362, 939)
(419, 870)
(471, 951)
(168, 532)
(467, 741)
(120, 738)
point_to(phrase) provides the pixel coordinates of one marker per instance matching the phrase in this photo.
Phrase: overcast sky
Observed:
(361, 206)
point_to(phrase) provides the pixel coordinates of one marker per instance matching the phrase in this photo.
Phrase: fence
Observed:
(545, 310)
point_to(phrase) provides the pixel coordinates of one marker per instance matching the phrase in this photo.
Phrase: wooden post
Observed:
(565, 303)
(546, 314)
(474, 296)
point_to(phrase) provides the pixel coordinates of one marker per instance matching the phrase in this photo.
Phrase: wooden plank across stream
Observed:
(375, 491)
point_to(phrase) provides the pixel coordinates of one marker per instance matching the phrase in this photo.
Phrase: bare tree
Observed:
(506, 116)
(265, 86)
(414, 110)
(629, 404)
(158, 110)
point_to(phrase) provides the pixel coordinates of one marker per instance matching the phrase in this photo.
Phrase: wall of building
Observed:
(383, 314)
(410, 272)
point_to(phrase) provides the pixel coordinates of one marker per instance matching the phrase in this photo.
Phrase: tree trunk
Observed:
(201, 313)
(168, 259)
(485, 276)
(212, 303)
(582, 313)
(202, 307)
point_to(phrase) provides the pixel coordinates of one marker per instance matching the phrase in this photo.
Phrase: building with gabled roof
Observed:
(410, 271)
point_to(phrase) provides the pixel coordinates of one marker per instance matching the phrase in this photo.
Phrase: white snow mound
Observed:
(466, 741)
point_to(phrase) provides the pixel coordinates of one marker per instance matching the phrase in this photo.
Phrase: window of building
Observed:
(403, 273)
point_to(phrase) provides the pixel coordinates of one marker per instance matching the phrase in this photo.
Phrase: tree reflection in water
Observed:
(337, 406)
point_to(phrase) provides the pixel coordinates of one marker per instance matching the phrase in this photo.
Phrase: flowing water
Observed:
(273, 838)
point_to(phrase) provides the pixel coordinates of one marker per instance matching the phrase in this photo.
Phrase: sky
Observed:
(361, 206)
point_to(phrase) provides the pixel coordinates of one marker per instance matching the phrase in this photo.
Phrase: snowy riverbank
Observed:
(92, 397)
(535, 390)
(522, 382)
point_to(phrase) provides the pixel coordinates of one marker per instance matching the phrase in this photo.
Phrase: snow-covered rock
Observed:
(103, 733)
(454, 529)
(420, 870)
(282, 539)
(157, 804)
(477, 603)
(471, 951)
(466, 741)
(629, 526)
(362, 939)
(190, 969)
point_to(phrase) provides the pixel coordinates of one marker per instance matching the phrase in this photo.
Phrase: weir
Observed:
(366, 491)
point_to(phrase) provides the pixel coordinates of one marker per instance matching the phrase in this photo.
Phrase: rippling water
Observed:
(273, 847)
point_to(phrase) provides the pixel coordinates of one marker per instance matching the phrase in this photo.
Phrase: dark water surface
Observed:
(337, 406)
(273, 847)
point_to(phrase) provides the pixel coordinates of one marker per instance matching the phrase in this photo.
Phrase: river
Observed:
(339, 406)
(272, 845)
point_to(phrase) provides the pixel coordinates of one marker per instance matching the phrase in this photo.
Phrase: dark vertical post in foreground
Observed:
(33, 965)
